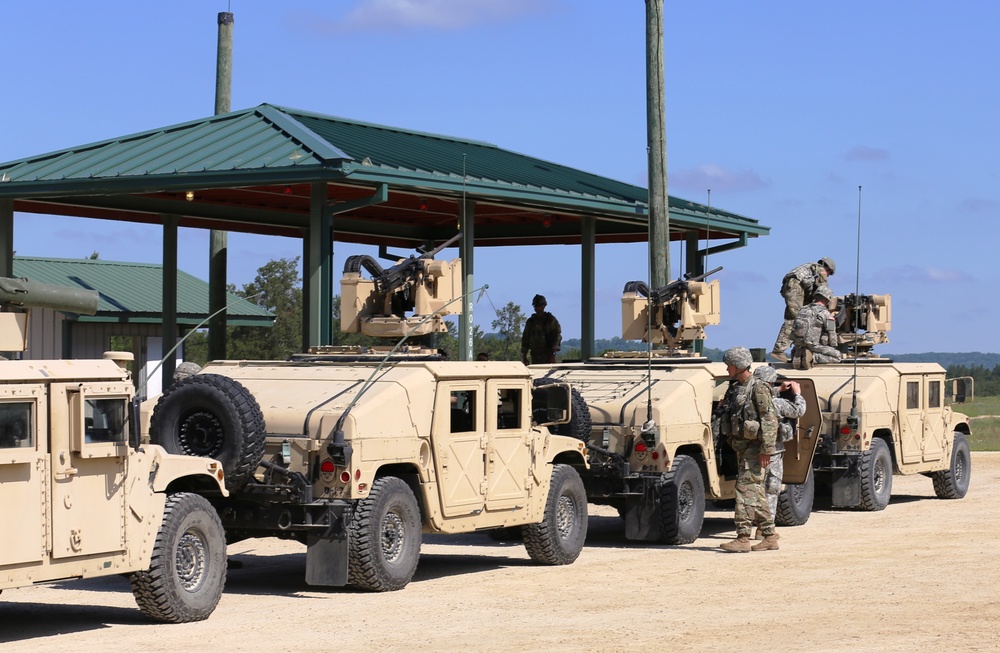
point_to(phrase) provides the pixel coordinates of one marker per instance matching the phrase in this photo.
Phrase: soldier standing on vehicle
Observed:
(796, 287)
(790, 405)
(814, 332)
(750, 425)
(542, 336)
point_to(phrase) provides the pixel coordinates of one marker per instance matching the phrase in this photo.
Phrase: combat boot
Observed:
(779, 356)
(759, 534)
(769, 543)
(740, 545)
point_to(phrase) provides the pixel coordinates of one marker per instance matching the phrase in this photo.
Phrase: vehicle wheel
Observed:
(953, 483)
(682, 502)
(875, 469)
(385, 533)
(212, 416)
(580, 424)
(559, 537)
(187, 571)
(795, 503)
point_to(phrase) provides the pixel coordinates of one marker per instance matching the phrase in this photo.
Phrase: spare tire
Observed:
(212, 416)
(579, 424)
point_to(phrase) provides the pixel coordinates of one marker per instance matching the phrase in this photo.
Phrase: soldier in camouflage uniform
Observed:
(790, 405)
(796, 287)
(542, 336)
(750, 425)
(815, 333)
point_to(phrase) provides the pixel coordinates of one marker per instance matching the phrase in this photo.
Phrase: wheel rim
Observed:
(565, 516)
(878, 476)
(201, 434)
(393, 536)
(192, 560)
(960, 467)
(685, 501)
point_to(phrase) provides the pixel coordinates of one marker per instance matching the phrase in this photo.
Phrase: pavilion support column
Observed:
(169, 331)
(318, 269)
(695, 259)
(656, 139)
(6, 238)
(466, 223)
(588, 239)
(219, 240)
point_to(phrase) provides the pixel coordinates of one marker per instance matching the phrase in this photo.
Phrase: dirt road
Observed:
(923, 575)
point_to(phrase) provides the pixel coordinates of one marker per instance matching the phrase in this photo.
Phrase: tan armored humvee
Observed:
(80, 498)
(883, 417)
(362, 456)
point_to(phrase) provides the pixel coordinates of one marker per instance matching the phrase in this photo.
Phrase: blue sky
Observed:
(781, 109)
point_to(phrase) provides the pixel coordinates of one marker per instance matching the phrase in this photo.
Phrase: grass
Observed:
(984, 420)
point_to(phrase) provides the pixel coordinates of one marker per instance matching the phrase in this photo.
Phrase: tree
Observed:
(277, 288)
(508, 325)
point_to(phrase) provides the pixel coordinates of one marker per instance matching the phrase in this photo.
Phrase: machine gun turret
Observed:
(379, 306)
(27, 294)
(863, 321)
(680, 311)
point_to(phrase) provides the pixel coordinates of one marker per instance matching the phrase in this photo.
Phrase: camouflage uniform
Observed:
(751, 426)
(788, 411)
(815, 331)
(796, 287)
(542, 337)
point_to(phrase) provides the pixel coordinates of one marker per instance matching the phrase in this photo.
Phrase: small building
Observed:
(129, 314)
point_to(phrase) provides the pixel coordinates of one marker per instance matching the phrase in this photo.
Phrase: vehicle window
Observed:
(104, 420)
(934, 394)
(509, 408)
(16, 429)
(463, 411)
(913, 394)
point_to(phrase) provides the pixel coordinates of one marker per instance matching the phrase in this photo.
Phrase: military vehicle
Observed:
(882, 417)
(356, 454)
(82, 498)
(653, 452)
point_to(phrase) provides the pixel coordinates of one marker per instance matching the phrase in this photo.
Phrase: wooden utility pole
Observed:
(656, 138)
(218, 240)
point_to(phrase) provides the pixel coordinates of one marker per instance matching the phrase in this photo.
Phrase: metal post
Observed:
(656, 137)
(6, 238)
(588, 229)
(467, 219)
(169, 330)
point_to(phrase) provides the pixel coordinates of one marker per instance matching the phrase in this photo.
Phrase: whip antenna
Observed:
(853, 420)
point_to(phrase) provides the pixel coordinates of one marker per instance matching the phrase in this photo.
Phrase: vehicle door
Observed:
(800, 449)
(23, 474)
(88, 458)
(922, 434)
(460, 458)
(508, 446)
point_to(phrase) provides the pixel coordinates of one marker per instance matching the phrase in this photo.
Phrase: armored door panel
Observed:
(508, 453)
(22, 483)
(799, 450)
(911, 411)
(460, 459)
(934, 426)
(88, 469)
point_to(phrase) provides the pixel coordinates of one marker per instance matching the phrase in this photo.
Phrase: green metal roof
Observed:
(252, 167)
(132, 292)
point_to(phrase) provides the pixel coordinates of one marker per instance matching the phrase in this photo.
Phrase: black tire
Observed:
(795, 503)
(953, 483)
(682, 502)
(580, 423)
(212, 416)
(875, 469)
(559, 537)
(187, 571)
(385, 534)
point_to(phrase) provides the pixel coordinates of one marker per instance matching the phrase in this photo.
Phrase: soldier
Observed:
(814, 333)
(750, 425)
(790, 405)
(796, 287)
(542, 335)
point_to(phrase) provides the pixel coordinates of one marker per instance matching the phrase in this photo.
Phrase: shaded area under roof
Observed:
(132, 292)
(252, 171)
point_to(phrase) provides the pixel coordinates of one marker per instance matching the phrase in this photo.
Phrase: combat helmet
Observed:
(824, 292)
(828, 263)
(539, 300)
(738, 357)
(766, 373)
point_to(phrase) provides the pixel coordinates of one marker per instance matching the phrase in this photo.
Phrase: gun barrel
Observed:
(34, 294)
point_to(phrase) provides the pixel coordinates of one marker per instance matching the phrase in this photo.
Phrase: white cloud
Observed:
(928, 274)
(715, 177)
(866, 153)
